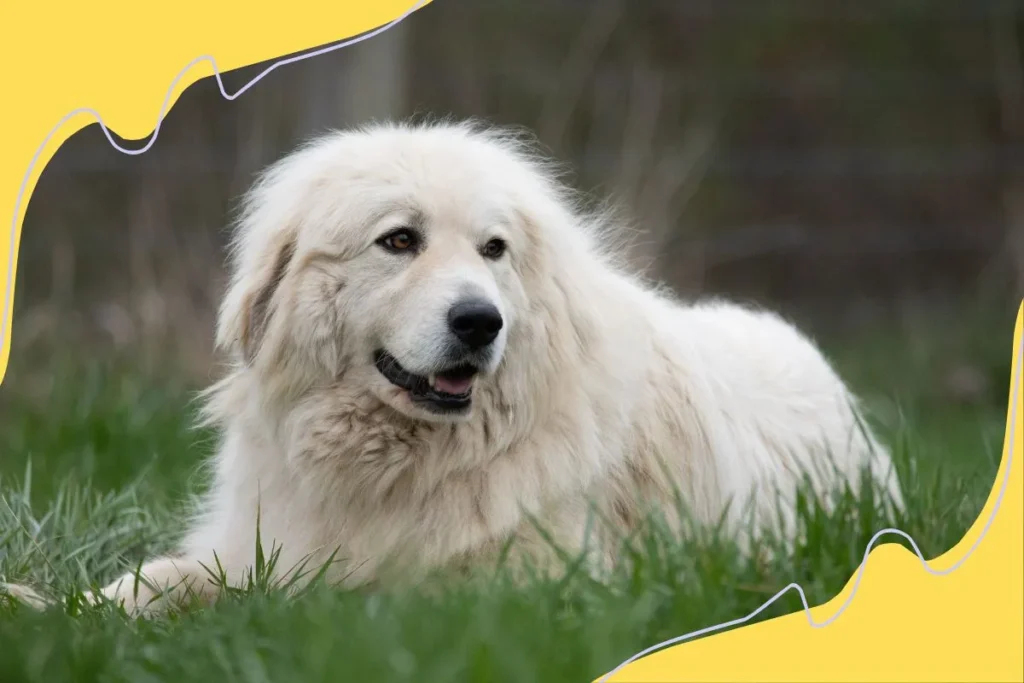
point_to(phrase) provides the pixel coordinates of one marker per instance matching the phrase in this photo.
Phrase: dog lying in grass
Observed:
(437, 358)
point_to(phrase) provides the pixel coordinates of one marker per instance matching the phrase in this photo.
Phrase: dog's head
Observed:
(397, 257)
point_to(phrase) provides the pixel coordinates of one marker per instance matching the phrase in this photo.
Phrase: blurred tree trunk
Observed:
(1009, 78)
(355, 84)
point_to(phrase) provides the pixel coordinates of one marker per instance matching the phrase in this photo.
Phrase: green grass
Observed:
(95, 461)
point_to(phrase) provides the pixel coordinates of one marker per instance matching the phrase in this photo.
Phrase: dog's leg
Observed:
(159, 584)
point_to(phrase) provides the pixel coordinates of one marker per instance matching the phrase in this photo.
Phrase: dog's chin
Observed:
(445, 396)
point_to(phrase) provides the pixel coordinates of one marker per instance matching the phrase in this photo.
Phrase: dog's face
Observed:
(430, 295)
(393, 259)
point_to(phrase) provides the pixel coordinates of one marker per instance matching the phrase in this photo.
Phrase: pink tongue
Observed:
(452, 386)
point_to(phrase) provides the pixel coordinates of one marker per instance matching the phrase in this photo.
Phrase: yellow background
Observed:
(119, 58)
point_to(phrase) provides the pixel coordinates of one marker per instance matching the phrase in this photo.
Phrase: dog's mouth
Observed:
(445, 392)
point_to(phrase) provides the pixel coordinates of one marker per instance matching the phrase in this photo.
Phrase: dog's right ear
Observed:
(251, 302)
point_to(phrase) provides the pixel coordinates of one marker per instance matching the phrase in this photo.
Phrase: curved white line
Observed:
(156, 130)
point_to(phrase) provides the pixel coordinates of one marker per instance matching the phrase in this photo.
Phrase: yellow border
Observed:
(905, 624)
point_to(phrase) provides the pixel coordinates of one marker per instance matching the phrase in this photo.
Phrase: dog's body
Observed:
(433, 356)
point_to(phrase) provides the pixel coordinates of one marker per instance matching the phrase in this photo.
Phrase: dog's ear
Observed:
(249, 305)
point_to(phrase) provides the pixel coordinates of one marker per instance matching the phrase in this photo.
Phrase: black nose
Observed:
(476, 323)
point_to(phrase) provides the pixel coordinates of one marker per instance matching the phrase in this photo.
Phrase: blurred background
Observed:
(857, 165)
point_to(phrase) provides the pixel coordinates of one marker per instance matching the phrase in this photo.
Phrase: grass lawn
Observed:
(95, 460)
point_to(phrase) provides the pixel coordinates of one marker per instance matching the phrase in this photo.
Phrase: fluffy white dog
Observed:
(436, 355)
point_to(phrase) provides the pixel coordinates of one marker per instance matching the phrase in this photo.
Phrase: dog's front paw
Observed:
(25, 595)
(135, 603)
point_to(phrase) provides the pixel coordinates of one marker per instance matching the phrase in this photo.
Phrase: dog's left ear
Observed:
(250, 304)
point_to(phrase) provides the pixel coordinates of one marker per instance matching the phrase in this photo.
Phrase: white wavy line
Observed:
(156, 130)
(860, 570)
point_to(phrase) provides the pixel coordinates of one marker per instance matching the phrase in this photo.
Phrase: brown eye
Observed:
(493, 249)
(399, 240)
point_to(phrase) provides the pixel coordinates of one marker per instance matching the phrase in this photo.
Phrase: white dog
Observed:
(436, 355)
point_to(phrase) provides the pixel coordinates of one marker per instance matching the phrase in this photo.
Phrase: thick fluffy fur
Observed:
(599, 390)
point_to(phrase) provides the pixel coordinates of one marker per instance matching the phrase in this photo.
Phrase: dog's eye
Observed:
(399, 240)
(493, 249)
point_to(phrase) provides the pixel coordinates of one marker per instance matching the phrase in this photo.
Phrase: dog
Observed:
(438, 359)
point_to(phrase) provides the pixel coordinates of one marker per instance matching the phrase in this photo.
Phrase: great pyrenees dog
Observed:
(438, 360)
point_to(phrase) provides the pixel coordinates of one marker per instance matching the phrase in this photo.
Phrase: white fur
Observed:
(600, 390)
